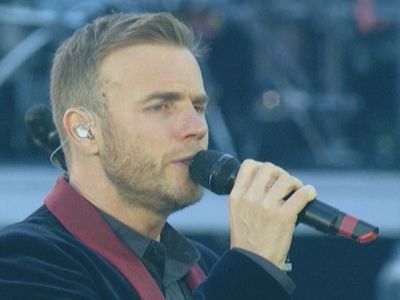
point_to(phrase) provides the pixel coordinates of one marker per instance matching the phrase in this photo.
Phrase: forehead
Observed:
(149, 66)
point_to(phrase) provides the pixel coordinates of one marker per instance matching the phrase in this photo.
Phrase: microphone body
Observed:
(217, 172)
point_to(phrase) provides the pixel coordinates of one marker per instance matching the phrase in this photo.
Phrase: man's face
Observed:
(155, 123)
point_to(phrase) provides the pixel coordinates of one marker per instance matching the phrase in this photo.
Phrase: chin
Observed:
(188, 195)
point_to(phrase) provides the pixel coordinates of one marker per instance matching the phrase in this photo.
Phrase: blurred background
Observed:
(312, 85)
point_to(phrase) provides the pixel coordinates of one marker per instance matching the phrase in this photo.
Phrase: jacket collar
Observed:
(82, 220)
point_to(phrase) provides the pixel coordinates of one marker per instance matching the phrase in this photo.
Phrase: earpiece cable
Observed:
(56, 163)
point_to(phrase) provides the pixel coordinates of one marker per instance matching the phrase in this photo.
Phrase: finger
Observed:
(282, 187)
(299, 199)
(246, 173)
(263, 180)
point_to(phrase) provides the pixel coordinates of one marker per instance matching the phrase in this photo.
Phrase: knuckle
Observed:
(297, 181)
(307, 192)
(286, 177)
(289, 181)
(302, 193)
(249, 163)
(269, 166)
(272, 169)
(281, 171)
(311, 191)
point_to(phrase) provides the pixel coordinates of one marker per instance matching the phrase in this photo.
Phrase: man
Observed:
(128, 101)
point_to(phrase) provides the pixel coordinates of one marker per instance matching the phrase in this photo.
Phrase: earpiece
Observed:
(84, 132)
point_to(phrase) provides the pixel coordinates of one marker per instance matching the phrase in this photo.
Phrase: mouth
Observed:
(185, 160)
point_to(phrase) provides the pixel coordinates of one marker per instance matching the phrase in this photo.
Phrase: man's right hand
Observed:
(261, 221)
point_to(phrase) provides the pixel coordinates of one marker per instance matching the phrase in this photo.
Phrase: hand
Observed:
(261, 221)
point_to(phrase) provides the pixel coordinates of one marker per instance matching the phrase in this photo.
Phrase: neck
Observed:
(102, 194)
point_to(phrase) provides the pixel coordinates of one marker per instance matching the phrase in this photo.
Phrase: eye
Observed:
(200, 108)
(161, 107)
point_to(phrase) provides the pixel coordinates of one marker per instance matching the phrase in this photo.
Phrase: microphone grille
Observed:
(201, 166)
(214, 170)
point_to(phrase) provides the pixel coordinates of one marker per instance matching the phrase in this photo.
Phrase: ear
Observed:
(80, 127)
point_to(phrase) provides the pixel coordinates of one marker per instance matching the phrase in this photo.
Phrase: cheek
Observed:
(205, 140)
(155, 132)
(151, 139)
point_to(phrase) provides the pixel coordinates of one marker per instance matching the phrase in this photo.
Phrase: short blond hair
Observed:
(74, 75)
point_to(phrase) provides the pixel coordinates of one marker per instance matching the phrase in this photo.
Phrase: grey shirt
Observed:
(168, 261)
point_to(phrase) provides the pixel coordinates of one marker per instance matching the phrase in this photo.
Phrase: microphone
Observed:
(217, 172)
(44, 134)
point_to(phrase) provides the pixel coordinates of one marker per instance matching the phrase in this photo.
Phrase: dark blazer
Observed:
(65, 250)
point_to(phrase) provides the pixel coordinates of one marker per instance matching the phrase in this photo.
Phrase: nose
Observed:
(191, 124)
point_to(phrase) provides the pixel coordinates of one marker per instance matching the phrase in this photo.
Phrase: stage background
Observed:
(310, 85)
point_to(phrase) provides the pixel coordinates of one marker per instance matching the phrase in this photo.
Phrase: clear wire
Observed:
(54, 162)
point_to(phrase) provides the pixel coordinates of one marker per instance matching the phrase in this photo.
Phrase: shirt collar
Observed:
(180, 255)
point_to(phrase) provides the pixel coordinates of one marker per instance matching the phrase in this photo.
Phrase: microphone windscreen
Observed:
(214, 170)
(40, 123)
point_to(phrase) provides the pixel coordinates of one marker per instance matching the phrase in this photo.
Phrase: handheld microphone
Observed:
(44, 134)
(217, 172)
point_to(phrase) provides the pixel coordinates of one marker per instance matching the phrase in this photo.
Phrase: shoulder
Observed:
(36, 261)
(38, 240)
(40, 259)
(39, 228)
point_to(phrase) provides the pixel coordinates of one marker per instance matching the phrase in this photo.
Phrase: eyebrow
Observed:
(173, 96)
